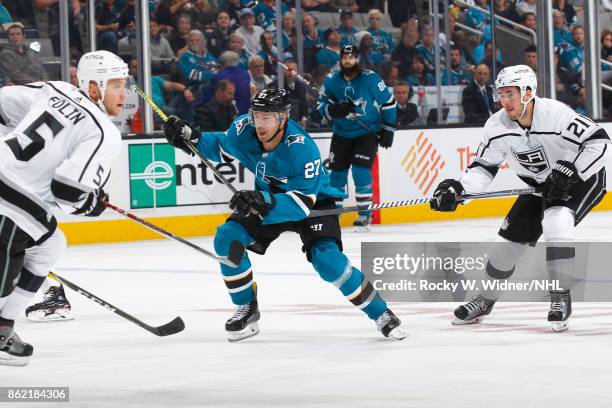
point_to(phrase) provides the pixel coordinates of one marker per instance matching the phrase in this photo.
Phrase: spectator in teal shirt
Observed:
(382, 41)
(346, 29)
(369, 58)
(330, 55)
(196, 64)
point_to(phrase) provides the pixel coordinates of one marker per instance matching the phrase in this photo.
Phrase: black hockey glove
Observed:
(340, 109)
(385, 138)
(560, 181)
(178, 133)
(446, 196)
(94, 205)
(247, 202)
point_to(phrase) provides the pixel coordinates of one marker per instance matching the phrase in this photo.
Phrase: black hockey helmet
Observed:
(271, 100)
(349, 49)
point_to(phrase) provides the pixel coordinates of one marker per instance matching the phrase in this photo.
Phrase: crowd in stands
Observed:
(209, 56)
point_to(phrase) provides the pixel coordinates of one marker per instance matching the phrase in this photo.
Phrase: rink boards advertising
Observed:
(159, 182)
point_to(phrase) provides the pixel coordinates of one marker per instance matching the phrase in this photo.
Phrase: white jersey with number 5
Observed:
(59, 148)
(557, 133)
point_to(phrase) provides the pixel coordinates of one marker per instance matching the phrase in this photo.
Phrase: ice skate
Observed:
(560, 310)
(54, 307)
(362, 223)
(243, 324)
(390, 326)
(13, 351)
(473, 311)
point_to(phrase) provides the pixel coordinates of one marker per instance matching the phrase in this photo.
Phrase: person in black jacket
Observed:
(477, 97)
(297, 94)
(217, 114)
(407, 112)
(218, 39)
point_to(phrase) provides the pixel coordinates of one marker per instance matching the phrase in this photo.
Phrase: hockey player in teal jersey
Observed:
(290, 181)
(364, 114)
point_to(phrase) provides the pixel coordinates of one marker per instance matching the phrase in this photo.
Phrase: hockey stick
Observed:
(175, 326)
(233, 258)
(416, 201)
(194, 149)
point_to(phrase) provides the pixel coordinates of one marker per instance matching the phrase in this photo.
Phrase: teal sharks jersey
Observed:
(374, 103)
(293, 173)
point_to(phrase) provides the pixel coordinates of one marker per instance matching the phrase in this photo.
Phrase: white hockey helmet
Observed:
(100, 67)
(521, 76)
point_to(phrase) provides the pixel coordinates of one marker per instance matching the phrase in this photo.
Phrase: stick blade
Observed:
(236, 253)
(175, 326)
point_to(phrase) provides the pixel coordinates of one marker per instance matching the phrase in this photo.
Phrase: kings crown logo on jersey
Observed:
(533, 160)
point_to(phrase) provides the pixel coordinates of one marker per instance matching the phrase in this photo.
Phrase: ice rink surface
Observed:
(314, 349)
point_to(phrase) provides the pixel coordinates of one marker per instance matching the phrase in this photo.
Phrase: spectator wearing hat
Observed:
(265, 14)
(18, 63)
(236, 44)
(231, 70)
(330, 55)
(346, 29)
(382, 41)
(219, 37)
(418, 74)
(249, 31)
(369, 58)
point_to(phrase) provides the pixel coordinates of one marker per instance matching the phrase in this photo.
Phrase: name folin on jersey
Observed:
(533, 160)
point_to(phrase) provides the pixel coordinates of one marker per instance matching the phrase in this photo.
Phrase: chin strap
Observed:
(525, 105)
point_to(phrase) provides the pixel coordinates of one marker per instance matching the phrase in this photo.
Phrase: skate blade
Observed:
(13, 361)
(362, 228)
(398, 333)
(558, 327)
(40, 316)
(249, 331)
(459, 322)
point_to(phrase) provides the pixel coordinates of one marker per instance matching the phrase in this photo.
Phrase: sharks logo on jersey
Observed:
(260, 171)
(240, 124)
(294, 139)
(360, 104)
(533, 160)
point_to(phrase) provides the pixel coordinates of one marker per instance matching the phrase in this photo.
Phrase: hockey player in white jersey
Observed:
(58, 154)
(549, 146)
